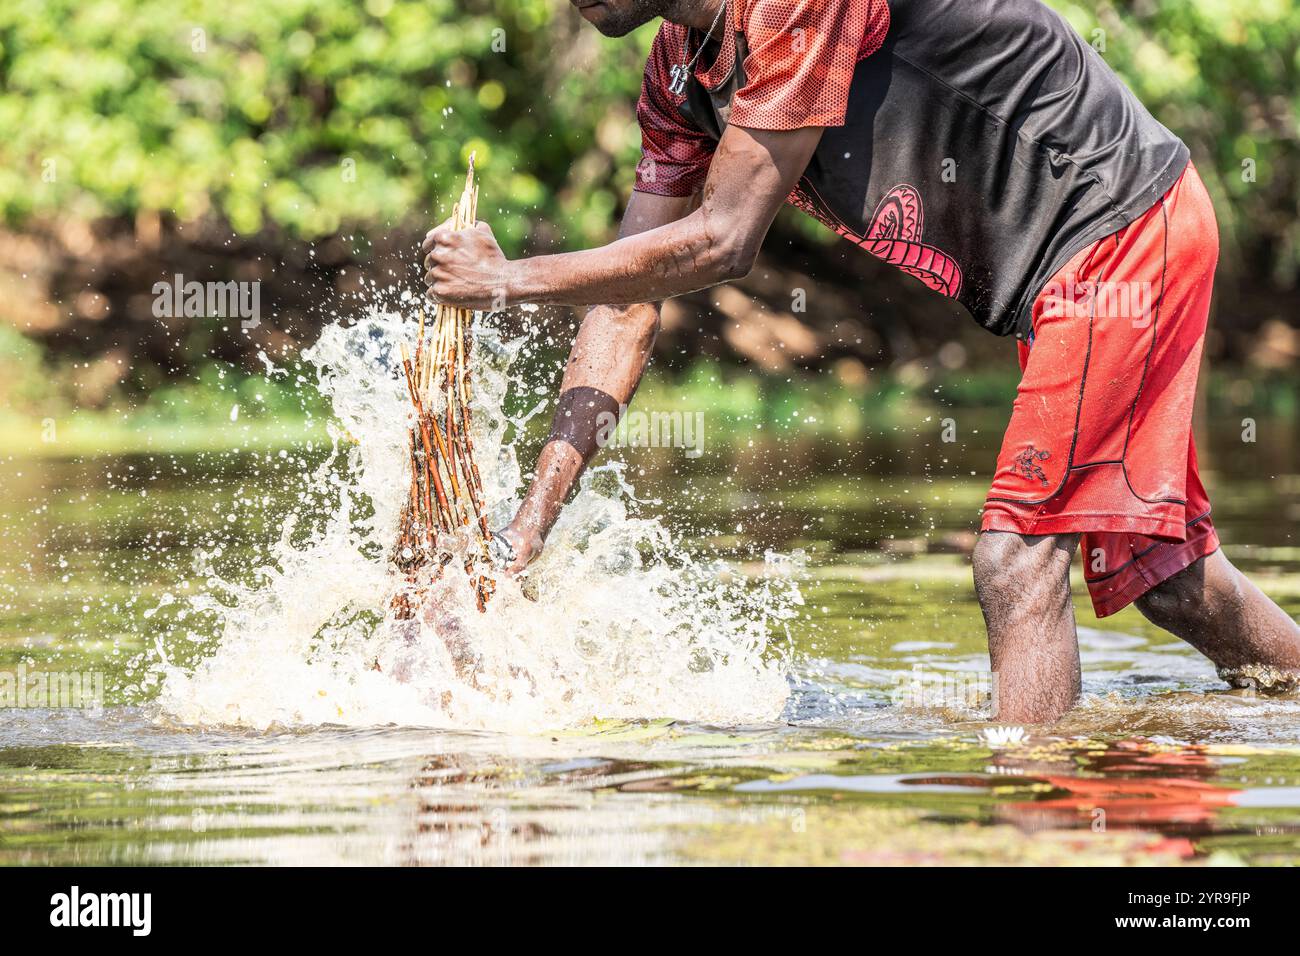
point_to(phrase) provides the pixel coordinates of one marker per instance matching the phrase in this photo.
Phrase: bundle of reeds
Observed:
(446, 492)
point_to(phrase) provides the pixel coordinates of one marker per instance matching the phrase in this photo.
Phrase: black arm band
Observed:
(585, 418)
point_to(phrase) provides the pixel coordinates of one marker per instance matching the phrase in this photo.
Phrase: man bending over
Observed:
(982, 147)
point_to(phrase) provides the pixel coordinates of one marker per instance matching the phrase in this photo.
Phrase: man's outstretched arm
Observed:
(752, 173)
(608, 357)
(666, 247)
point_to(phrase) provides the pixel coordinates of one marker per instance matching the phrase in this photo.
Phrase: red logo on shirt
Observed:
(894, 235)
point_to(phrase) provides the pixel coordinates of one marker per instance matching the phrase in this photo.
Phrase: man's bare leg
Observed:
(1220, 612)
(1023, 586)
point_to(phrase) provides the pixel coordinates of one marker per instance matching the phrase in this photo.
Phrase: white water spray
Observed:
(615, 619)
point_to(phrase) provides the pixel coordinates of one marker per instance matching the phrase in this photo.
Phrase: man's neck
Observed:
(699, 14)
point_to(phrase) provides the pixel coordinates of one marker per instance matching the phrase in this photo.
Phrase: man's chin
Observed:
(607, 22)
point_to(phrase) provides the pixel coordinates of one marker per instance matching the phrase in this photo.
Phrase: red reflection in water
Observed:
(1131, 785)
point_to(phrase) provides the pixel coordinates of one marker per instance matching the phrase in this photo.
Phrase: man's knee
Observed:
(1012, 564)
(1193, 594)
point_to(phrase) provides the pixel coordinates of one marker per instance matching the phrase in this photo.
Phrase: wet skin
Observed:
(1023, 584)
(669, 247)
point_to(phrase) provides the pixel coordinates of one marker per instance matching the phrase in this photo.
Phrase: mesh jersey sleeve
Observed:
(801, 59)
(675, 156)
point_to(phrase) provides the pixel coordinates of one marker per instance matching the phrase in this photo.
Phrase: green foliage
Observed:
(1225, 76)
(261, 112)
(304, 119)
(815, 402)
(312, 116)
(22, 371)
(219, 406)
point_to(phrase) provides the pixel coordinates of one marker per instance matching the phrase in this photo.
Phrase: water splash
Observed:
(614, 620)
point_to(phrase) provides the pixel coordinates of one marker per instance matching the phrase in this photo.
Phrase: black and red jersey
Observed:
(975, 144)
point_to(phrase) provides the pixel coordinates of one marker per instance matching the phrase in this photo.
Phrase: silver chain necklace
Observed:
(681, 72)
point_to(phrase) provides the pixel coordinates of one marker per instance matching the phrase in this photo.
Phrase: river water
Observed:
(769, 653)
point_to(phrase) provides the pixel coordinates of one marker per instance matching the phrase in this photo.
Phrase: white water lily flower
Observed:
(1003, 736)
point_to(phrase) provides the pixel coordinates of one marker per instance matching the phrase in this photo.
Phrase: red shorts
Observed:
(1100, 438)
